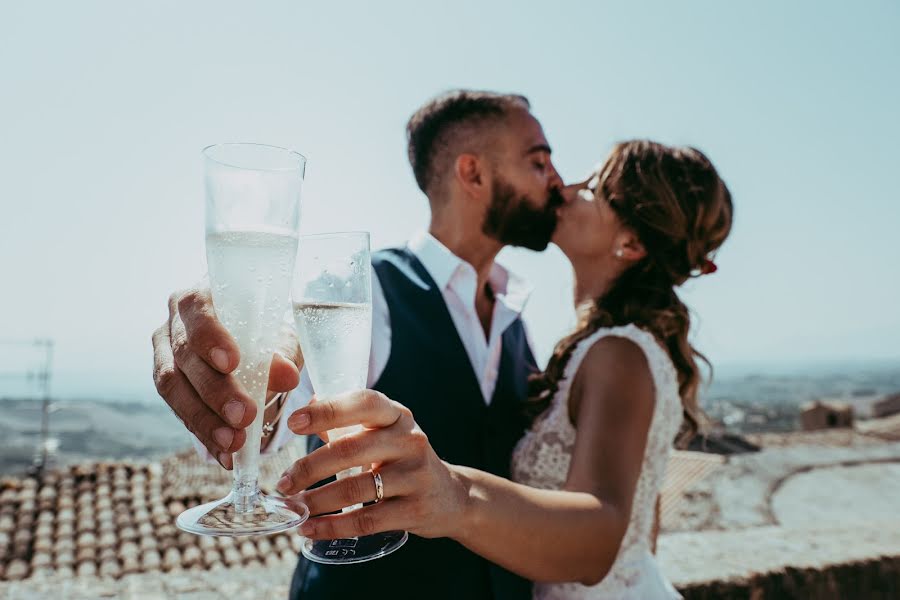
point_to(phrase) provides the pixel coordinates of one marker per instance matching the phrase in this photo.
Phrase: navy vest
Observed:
(430, 372)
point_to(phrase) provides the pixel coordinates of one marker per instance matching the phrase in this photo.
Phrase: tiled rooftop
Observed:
(683, 471)
(114, 519)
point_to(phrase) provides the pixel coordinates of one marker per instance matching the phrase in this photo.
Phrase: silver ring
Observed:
(379, 486)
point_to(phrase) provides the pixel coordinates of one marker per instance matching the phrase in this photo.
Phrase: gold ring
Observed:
(379, 486)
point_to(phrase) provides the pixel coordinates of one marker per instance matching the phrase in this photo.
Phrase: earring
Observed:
(619, 253)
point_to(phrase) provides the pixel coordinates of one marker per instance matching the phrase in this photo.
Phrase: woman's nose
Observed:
(570, 192)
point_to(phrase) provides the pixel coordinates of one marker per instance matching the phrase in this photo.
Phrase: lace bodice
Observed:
(541, 459)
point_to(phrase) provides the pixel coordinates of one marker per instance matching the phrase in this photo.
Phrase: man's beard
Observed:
(513, 220)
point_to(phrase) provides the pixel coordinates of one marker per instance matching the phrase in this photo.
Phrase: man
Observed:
(443, 311)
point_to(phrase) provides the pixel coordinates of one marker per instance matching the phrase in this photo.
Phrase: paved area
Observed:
(740, 493)
(839, 495)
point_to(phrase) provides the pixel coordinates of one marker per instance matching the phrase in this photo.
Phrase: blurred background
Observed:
(105, 107)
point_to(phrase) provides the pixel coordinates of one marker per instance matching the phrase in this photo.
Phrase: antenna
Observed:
(42, 376)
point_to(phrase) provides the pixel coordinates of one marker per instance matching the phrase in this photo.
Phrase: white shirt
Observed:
(457, 281)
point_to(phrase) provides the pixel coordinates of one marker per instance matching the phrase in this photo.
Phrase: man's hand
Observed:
(422, 494)
(193, 356)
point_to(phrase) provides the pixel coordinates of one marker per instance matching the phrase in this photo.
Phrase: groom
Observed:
(444, 311)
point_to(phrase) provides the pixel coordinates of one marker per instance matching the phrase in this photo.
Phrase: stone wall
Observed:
(856, 561)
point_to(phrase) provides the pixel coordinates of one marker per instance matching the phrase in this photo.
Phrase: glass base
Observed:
(353, 550)
(269, 514)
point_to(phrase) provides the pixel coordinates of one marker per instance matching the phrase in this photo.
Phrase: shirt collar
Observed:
(509, 288)
(437, 259)
(442, 265)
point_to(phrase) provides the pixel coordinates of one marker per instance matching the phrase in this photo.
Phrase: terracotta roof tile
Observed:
(106, 554)
(86, 569)
(232, 556)
(85, 555)
(147, 544)
(130, 565)
(191, 556)
(684, 469)
(273, 559)
(17, 569)
(110, 568)
(211, 557)
(151, 560)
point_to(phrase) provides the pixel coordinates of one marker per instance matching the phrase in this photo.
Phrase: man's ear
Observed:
(471, 174)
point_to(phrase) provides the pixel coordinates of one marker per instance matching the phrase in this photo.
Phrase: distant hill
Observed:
(88, 430)
(769, 399)
(746, 400)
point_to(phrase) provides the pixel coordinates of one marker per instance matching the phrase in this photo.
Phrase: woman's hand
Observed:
(422, 494)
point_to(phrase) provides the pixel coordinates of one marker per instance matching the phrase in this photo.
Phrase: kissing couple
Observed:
(514, 482)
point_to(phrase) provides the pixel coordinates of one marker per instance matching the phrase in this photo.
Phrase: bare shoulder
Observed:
(613, 377)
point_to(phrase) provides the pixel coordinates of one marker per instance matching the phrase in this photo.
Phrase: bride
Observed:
(616, 394)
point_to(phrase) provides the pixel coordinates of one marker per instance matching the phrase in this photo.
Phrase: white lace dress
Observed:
(541, 459)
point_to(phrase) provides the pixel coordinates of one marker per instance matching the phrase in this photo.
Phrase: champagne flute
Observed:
(332, 296)
(252, 223)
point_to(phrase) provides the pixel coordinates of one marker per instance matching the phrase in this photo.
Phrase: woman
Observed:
(615, 395)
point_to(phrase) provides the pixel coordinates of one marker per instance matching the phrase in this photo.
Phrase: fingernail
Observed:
(219, 358)
(284, 484)
(225, 459)
(234, 412)
(307, 529)
(224, 436)
(298, 421)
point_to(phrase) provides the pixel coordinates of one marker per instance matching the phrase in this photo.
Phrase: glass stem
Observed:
(245, 489)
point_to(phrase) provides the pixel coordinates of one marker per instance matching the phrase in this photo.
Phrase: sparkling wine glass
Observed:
(332, 296)
(252, 223)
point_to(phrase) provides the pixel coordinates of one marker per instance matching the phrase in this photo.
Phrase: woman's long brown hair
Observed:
(681, 210)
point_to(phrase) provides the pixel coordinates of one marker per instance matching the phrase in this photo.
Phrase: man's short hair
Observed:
(437, 132)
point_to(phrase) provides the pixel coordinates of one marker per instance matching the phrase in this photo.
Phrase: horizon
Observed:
(77, 386)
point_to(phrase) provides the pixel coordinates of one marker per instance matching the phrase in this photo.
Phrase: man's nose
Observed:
(555, 180)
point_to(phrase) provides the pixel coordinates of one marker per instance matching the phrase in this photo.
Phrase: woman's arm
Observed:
(572, 534)
(568, 535)
(543, 535)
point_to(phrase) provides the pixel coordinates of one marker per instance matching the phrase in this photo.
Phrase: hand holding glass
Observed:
(252, 223)
(332, 295)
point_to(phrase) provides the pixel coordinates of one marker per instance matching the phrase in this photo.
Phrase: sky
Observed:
(105, 106)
